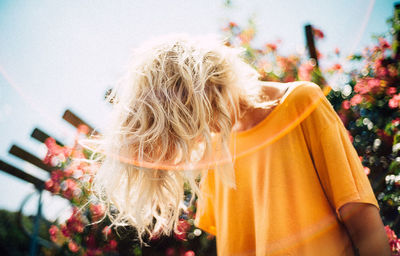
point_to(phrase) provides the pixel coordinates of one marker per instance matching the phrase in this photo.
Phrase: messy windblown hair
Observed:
(174, 108)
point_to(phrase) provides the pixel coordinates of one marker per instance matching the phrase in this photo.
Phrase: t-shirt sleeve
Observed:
(336, 161)
(205, 218)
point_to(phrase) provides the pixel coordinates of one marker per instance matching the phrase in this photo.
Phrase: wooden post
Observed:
(42, 136)
(76, 121)
(312, 51)
(25, 155)
(7, 168)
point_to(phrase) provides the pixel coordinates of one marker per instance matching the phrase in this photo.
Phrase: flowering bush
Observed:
(87, 232)
(369, 108)
(268, 62)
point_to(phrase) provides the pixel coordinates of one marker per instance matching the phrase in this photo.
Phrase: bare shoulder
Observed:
(276, 90)
(273, 90)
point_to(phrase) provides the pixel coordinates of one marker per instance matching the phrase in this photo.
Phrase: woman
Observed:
(283, 177)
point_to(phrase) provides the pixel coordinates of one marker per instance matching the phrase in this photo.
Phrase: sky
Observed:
(58, 55)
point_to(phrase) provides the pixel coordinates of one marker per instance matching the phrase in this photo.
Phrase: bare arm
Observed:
(365, 228)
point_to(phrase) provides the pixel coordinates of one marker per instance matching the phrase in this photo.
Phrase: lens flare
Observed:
(218, 157)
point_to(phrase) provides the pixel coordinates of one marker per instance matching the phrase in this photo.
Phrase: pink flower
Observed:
(53, 231)
(394, 242)
(189, 253)
(396, 97)
(72, 246)
(374, 84)
(346, 104)
(361, 87)
(305, 70)
(357, 99)
(367, 170)
(337, 51)
(83, 129)
(55, 150)
(393, 103)
(97, 210)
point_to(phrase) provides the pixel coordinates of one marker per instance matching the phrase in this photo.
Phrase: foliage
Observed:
(12, 240)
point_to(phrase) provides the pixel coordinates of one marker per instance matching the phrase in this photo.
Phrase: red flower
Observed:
(271, 47)
(396, 121)
(337, 51)
(232, 24)
(350, 136)
(91, 241)
(106, 231)
(383, 43)
(170, 251)
(113, 244)
(391, 90)
(337, 67)
(343, 117)
(57, 175)
(382, 72)
(72, 246)
(93, 252)
(64, 230)
(74, 223)
(183, 227)
(346, 104)
(318, 33)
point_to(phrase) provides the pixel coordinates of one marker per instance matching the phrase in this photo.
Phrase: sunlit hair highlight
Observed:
(177, 104)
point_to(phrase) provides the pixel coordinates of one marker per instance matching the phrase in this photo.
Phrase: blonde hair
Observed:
(180, 95)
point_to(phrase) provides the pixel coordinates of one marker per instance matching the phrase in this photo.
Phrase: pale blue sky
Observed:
(65, 54)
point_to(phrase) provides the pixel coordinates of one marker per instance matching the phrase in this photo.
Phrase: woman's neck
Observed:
(252, 116)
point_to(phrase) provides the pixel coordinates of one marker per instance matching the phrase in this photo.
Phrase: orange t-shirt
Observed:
(294, 170)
